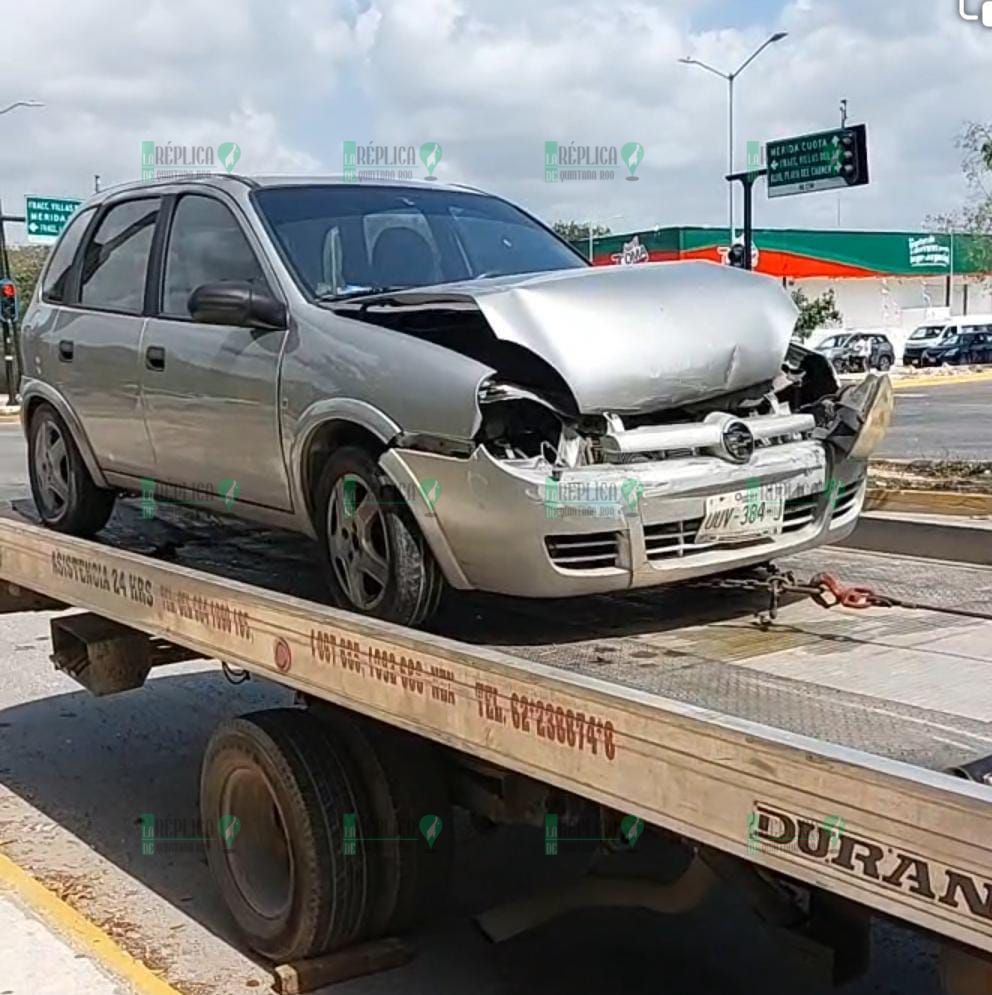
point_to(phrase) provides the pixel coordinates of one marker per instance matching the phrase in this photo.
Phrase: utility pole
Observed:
(747, 181)
(843, 124)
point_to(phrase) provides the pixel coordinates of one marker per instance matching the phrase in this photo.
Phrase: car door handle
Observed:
(155, 357)
(66, 350)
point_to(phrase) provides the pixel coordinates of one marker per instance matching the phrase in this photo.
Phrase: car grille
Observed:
(674, 540)
(584, 551)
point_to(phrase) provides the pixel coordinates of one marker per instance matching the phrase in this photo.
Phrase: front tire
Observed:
(64, 493)
(376, 559)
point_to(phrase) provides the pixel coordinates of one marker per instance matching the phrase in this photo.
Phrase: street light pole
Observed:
(7, 341)
(731, 78)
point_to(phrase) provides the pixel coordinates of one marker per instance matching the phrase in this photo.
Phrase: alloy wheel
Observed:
(51, 460)
(358, 542)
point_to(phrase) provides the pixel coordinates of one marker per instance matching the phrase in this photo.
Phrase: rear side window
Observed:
(115, 261)
(56, 282)
(206, 245)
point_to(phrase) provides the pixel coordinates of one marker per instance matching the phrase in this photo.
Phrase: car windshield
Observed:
(346, 240)
(834, 342)
(927, 332)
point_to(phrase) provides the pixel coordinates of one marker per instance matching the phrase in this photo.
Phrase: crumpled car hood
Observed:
(641, 338)
(634, 339)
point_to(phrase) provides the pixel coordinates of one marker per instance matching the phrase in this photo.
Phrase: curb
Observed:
(83, 934)
(954, 541)
(905, 383)
(956, 504)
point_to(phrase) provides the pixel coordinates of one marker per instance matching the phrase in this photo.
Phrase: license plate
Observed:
(742, 515)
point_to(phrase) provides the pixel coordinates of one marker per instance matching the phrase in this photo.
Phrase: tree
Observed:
(815, 312)
(574, 231)
(26, 263)
(975, 217)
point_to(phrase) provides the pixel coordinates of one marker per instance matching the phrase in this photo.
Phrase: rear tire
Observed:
(404, 778)
(884, 364)
(376, 560)
(63, 490)
(289, 783)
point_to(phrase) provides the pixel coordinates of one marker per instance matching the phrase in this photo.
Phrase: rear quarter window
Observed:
(56, 283)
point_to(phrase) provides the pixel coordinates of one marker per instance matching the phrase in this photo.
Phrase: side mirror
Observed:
(236, 303)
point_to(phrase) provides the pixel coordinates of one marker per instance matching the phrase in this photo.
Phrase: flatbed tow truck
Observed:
(833, 764)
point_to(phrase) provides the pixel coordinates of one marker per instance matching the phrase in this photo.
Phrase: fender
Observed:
(347, 409)
(36, 390)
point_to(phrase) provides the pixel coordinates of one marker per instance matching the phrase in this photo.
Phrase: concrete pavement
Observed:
(34, 960)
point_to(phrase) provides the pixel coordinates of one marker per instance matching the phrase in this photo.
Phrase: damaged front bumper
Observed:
(511, 527)
(523, 527)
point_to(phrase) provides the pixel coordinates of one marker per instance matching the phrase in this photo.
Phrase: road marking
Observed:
(87, 936)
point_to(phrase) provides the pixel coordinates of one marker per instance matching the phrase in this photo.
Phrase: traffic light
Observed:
(8, 301)
(737, 256)
(848, 157)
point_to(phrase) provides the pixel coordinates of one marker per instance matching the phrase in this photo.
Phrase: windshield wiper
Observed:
(347, 295)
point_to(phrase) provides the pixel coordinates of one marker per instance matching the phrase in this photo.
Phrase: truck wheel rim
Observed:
(357, 542)
(51, 460)
(260, 859)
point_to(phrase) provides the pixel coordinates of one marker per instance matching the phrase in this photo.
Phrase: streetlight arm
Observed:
(21, 103)
(703, 65)
(768, 41)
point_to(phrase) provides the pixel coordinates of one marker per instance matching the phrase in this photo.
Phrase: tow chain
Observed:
(824, 589)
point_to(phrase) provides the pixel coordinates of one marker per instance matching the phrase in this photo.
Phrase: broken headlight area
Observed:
(518, 423)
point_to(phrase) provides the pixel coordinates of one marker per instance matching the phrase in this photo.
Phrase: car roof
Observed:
(221, 181)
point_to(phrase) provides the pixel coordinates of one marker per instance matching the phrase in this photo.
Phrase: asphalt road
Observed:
(77, 773)
(952, 421)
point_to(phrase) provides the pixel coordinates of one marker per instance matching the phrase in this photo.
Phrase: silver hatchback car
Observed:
(435, 387)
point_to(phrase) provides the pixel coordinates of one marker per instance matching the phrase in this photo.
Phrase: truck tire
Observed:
(404, 777)
(63, 490)
(275, 789)
(376, 560)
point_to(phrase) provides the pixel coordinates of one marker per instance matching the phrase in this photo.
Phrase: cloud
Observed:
(491, 82)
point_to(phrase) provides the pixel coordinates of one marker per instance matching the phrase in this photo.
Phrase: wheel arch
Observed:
(35, 392)
(328, 425)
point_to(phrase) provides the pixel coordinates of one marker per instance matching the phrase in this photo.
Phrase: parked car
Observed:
(833, 346)
(435, 387)
(933, 334)
(972, 344)
(859, 352)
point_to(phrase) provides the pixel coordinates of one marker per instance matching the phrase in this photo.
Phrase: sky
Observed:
(491, 81)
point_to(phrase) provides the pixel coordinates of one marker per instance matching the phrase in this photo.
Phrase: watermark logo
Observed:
(566, 162)
(197, 495)
(755, 157)
(429, 827)
(591, 498)
(168, 161)
(387, 162)
(230, 153)
(228, 491)
(629, 832)
(430, 156)
(983, 14)
(633, 155)
(428, 491)
(171, 835)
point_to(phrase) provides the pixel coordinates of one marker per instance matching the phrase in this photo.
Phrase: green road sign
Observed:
(45, 217)
(827, 160)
